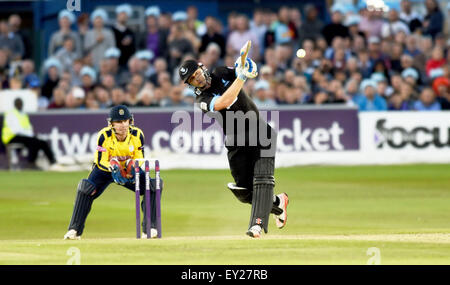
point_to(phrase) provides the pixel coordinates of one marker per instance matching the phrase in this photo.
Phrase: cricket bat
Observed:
(244, 52)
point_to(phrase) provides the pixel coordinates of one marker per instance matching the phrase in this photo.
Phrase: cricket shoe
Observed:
(153, 234)
(280, 220)
(72, 235)
(255, 231)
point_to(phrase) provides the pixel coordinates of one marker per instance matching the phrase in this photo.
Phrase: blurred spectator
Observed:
(433, 23)
(52, 72)
(441, 87)
(165, 22)
(409, 16)
(58, 99)
(67, 53)
(99, 38)
(259, 28)
(160, 66)
(75, 98)
(124, 36)
(336, 27)
(283, 30)
(83, 28)
(193, 22)
(175, 98)
(146, 98)
(153, 38)
(65, 21)
(88, 78)
(393, 26)
(11, 42)
(102, 96)
(14, 23)
(371, 22)
(212, 56)
(188, 96)
(447, 20)
(437, 60)
(427, 101)
(240, 36)
(145, 56)
(212, 35)
(261, 95)
(312, 25)
(178, 43)
(28, 74)
(118, 97)
(370, 101)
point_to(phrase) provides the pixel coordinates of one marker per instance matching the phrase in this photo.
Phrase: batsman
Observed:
(250, 141)
(118, 145)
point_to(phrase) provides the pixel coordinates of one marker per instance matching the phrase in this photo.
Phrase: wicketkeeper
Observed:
(251, 147)
(117, 145)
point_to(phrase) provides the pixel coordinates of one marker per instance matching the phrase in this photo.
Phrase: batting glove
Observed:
(250, 70)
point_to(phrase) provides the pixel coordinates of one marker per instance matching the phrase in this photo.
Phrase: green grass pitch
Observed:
(336, 214)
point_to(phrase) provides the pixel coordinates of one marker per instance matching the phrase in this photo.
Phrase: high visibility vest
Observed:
(24, 121)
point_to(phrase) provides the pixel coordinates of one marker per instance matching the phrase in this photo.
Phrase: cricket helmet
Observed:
(189, 67)
(119, 113)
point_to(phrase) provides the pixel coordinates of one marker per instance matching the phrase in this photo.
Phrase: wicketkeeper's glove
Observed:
(117, 176)
(250, 70)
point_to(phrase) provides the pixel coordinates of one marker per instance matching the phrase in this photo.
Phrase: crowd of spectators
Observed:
(369, 58)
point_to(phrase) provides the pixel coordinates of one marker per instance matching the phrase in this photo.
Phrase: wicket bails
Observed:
(147, 195)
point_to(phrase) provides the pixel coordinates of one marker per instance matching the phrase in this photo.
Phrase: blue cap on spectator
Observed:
(32, 81)
(352, 20)
(338, 7)
(261, 85)
(366, 83)
(66, 14)
(410, 72)
(377, 77)
(179, 16)
(436, 72)
(152, 11)
(188, 92)
(144, 55)
(52, 62)
(89, 71)
(112, 52)
(362, 5)
(124, 8)
(99, 13)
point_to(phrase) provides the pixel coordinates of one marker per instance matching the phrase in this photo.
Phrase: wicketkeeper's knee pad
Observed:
(243, 194)
(86, 187)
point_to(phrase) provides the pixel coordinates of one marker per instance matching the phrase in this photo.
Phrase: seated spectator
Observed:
(188, 96)
(160, 65)
(409, 16)
(153, 38)
(145, 57)
(335, 28)
(397, 103)
(427, 101)
(88, 78)
(75, 99)
(52, 71)
(28, 74)
(411, 76)
(371, 23)
(124, 36)
(437, 60)
(146, 98)
(212, 36)
(11, 42)
(58, 99)
(102, 96)
(65, 21)
(370, 101)
(393, 26)
(312, 25)
(67, 53)
(118, 97)
(178, 44)
(175, 98)
(99, 38)
(261, 95)
(240, 36)
(433, 23)
(441, 87)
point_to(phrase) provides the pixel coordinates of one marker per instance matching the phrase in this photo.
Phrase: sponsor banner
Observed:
(405, 137)
(192, 133)
(406, 131)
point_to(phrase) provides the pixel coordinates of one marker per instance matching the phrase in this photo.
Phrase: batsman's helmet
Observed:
(187, 69)
(119, 113)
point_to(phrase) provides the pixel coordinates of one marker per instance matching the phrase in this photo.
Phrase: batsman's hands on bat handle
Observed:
(249, 70)
(117, 176)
